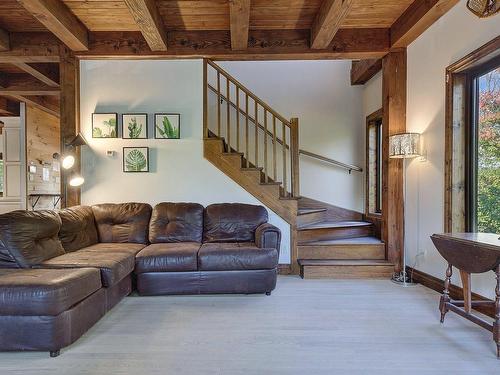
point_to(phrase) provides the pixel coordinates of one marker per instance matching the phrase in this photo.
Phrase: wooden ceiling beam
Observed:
(239, 21)
(24, 84)
(262, 45)
(40, 102)
(330, 16)
(46, 73)
(149, 20)
(362, 71)
(58, 19)
(4, 40)
(8, 107)
(31, 48)
(419, 16)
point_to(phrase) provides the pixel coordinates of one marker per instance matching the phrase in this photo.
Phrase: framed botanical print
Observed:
(134, 126)
(104, 125)
(136, 159)
(167, 125)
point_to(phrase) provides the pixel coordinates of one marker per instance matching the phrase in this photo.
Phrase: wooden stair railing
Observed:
(274, 148)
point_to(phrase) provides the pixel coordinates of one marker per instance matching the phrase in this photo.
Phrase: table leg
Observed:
(466, 287)
(496, 323)
(445, 297)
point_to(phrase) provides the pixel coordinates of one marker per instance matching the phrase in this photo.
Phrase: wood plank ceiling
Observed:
(33, 31)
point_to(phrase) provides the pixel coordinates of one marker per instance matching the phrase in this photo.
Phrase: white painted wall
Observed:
(372, 95)
(179, 171)
(330, 116)
(455, 35)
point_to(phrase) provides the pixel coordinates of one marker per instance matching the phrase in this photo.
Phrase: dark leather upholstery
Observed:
(168, 257)
(232, 222)
(45, 292)
(78, 228)
(28, 238)
(176, 222)
(206, 282)
(115, 293)
(127, 248)
(235, 256)
(268, 236)
(122, 222)
(114, 266)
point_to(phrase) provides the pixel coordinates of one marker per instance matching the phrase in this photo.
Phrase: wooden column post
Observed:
(70, 121)
(394, 121)
(294, 156)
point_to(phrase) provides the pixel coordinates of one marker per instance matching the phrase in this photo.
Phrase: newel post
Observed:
(294, 156)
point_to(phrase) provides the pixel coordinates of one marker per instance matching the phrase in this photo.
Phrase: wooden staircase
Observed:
(258, 149)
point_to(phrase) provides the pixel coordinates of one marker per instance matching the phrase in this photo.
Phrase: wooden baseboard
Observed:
(284, 269)
(456, 292)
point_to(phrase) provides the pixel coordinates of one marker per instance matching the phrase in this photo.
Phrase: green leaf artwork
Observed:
(104, 125)
(136, 161)
(96, 132)
(167, 130)
(134, 130)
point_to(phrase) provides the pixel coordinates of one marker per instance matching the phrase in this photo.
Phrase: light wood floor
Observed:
(306, 327)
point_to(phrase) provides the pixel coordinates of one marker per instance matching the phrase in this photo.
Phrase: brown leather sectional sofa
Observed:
(60, 272)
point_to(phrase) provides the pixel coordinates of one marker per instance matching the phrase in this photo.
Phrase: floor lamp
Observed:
(404, 146)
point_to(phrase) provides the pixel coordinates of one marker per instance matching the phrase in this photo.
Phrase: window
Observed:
(483, 150)
(374, 163)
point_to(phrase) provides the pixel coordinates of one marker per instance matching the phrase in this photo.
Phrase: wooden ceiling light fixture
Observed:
(483, 8)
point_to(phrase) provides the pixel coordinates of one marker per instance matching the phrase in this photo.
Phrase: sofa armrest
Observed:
(268, 236)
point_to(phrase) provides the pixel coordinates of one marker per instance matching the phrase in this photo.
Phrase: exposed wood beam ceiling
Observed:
(147, 17)
(416, 19)
(57, 18)
(46, 73)
(4, 40)
(330, 16)
(362, 71)
(239, 19)
(8, 107)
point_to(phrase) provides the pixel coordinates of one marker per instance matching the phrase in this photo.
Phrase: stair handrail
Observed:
(349, 167)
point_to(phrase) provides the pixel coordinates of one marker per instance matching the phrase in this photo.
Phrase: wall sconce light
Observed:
(76, 180)
(68, 158)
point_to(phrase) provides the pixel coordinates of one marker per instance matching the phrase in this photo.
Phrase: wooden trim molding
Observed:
(457, 121)
(456, 292)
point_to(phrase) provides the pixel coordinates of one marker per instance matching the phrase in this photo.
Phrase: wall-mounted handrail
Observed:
(336, 163)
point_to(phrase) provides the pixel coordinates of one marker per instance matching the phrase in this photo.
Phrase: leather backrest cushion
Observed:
(28, 238)
(176, 222)
(232, 222)
(122, 222)
(78, 228)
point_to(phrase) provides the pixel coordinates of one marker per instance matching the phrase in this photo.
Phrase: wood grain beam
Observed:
(24, 84)
(8, 107)
(147, 17)
(4, 40)
(419, 16)
(57, 17)
(262, 45)
(330, 16)
(46, 73)
(394, 120)
(239, 21)
(362, 71)
(31, 48)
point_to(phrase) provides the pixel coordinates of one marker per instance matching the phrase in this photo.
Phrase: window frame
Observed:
(375, 119)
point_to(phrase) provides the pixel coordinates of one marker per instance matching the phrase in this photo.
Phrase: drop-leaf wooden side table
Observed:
(470, 253)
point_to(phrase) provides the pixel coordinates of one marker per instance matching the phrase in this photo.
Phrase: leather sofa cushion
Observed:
(45, 292)
(232, 222)
(114, 265)
(127, 248)
(235, 256)
(176, 222)
(122, 222)
(168, 257)
(28, 238)
(78, 228)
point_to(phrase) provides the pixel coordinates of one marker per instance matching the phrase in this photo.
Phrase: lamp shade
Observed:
(404, 145)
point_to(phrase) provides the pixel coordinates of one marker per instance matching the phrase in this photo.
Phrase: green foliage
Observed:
(168, 130)
(134, 130)
(111, 124)
(135, 161)
(96, 132)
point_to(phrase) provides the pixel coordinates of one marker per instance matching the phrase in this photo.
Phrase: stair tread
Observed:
(345, 241)
(310, 210)
(335, 224)
(252, 169)
(232, 153)
(344, 262)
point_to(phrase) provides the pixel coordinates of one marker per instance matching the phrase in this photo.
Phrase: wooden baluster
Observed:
(274, 149)
(496, 323)
(246, 131)
(218, 104)
(266, 176)
(285, 184)
(445, 297)
(294, 156)
(256, 134)
(205, 99)
(237, 119)
(228, 126)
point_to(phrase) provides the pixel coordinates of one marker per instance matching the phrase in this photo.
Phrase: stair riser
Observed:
(321, 234)
(375, 252)
(347, 272)
(235, 160)
(312, 218)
